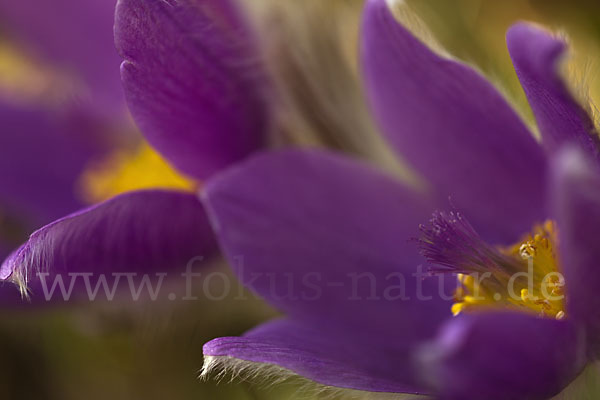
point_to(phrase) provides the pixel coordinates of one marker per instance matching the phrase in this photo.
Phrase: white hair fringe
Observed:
(230, 369)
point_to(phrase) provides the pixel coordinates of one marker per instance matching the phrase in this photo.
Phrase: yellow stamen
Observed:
(533, 278)
(457, 308)
(124, 171)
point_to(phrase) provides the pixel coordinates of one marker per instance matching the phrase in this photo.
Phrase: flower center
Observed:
(525, 276)
(123, 170)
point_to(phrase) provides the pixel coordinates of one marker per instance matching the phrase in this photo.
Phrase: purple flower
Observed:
(42, 156)
(326, 239)
(58, 120)
(194, 84)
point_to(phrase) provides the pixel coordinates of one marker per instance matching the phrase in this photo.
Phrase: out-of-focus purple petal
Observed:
(74, 35)
(193, 80)
(41, 158)
(536, 56)
(350, 359)
(322, 236)
(137, 232)
(504, 356)
(454, 127)
(576, 197)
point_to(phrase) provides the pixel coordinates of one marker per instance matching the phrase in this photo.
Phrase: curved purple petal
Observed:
(576, 198)
(502, 356)
(536, 56)
(74, 35)
(193, 81)
(341, 358)
(454, 127)
(134, 233)
(322, 236)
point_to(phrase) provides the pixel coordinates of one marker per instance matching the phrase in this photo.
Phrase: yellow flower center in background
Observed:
(127, 170)
(25, 79)
(17, 73)
(531, 282)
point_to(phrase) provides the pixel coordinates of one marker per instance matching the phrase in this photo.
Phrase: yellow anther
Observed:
(534, 256)
(527, 250)
(459, 294)
(467, 280)
(457, 308)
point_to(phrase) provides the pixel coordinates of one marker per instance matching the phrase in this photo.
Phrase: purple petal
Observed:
(41, 158)
(454, 127)
(504, 356)
(536, 56)
(193, 81)
(137, 232)
(576, 197)
(342, 358)
(322, 236)
(74, 35)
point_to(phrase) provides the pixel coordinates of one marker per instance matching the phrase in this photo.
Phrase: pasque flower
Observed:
(53, 120)
(50, 112)
(309, 219)
(304, 222)
(193, 82)
(42, 155)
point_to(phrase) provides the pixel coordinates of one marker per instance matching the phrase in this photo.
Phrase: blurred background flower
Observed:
(66, 141)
